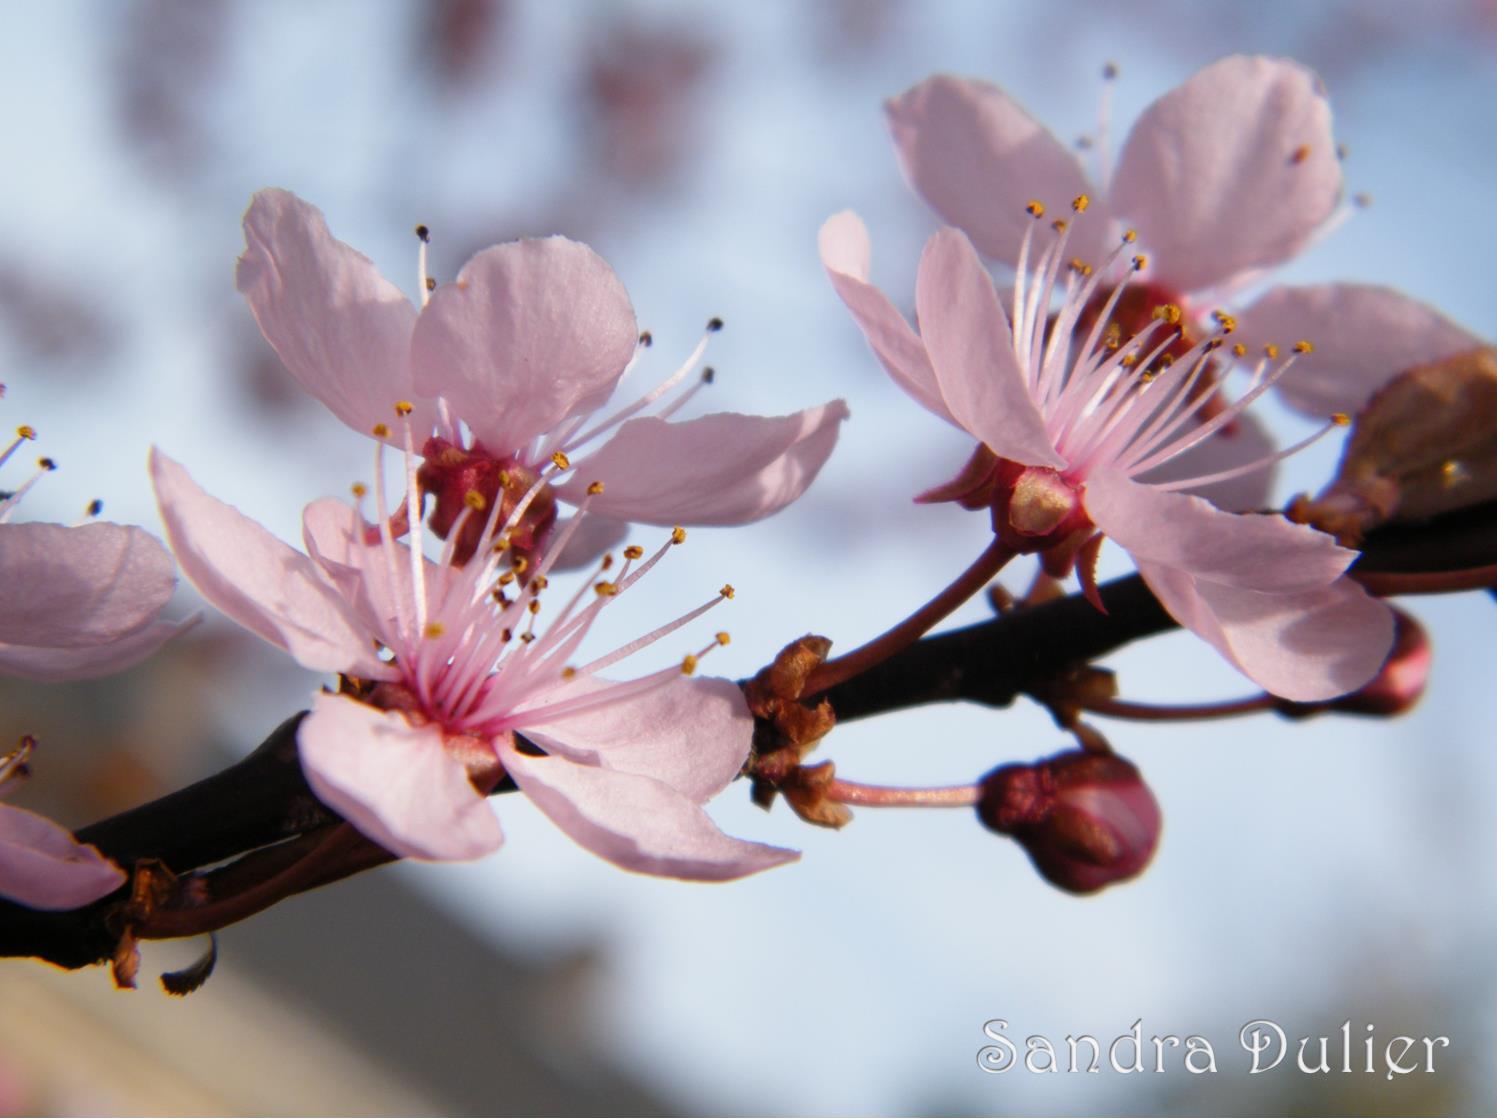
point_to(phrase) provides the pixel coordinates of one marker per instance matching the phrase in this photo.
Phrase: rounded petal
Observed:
(49, 664)
(43, 866)
(693, 734)
(1245, 440)
(722, 469)
(970, 345)
(396, 783)
(1364, 335)
(1232, 172)
(341, 329)
(1253, 551)
(636, 822)
(530, 333)
(1307, 646)
(86, 585)
(978, 158)
(845, 250)
(259, 582)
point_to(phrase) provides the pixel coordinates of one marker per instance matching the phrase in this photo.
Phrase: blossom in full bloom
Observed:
(1224, 178)
(41, 864)
(505, 370)
(448, 686)
(1072, 421)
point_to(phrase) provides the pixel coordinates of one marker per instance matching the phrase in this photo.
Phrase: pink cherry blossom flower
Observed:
(450, 670)
(1232, 173)
(505, 369)
(1071, 417)
(77, 601)
(41, 864)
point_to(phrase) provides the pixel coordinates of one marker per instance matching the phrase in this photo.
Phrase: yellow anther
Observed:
(722, 637)
(607, 560)
(1130, 236)
(404, 407)
(503, 600)
(1341, 419)
(1225, 321)
(507, 578)
(688, 664)
(1080, 267)
(540, 583)
(1303, 347)
(634, 552)
(1140, 262)
(1300, 154)
(1166, 360)
(434, 629)
(358, 489)
(1270, 351)
(595, 488)
(1035, 208)
(26, 431)
(561, 461)
(431, 283)
(1452, 470)
(727, 590)
(1080, 203)
(475, 501)
(1129, 361)
(605, 588)
(380, 430)
(568, 672)
(505, 478)
(1240, 350)
(527, 637)
(507, 635)
(678, 535)
(1059, 225)
(1168, 312)
(1147, 376)
(534, 606)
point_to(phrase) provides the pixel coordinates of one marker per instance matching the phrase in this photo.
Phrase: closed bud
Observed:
(1086, 819)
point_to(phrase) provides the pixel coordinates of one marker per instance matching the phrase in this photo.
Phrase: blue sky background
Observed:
(1308, 873)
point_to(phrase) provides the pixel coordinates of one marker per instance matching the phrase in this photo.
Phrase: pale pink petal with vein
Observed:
(395, 782)
(1231, 172)
(637, 822)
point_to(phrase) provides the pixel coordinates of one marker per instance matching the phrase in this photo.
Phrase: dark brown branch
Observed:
(264, 799)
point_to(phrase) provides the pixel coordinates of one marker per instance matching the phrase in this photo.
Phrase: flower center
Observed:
(472, 478)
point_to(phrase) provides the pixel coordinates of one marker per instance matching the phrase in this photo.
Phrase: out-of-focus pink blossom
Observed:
(451, 669)
(1073, 420)
(41, 864)
(504, 370)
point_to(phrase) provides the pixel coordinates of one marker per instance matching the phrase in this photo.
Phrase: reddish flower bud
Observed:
(1087, 820)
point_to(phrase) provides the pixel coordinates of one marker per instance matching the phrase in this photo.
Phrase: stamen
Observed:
(424, 282)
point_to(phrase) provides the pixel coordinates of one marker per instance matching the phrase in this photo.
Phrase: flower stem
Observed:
(1428, 582)
(1162, 713)
(907, 632)
(885, 796)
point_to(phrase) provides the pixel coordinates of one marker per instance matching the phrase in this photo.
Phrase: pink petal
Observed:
(845, 254)
(259, 582)
(978, 158)
(341, 328)
(972, 350)
(1306, 646)
(1245, 440)
(693, 735)
(395, 782)
(722, 469)
(85, 662)
(532, 332)
(636, 822)
(88, 585)
(1232, 172)
(43, 866)
(1260, 552)
(1363, 336)
(594, 536)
